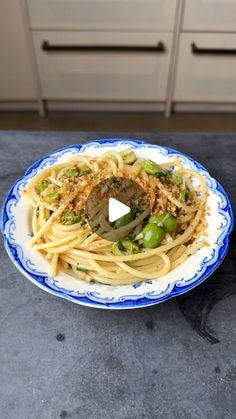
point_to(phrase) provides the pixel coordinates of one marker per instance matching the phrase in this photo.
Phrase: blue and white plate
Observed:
(16, 230)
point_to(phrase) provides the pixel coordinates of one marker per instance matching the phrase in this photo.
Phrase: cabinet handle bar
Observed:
(212, 51)
(46, 46)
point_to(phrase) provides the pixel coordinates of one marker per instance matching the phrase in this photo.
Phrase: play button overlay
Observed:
(116, 208)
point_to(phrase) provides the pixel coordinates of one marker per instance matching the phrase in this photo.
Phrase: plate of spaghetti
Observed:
(159, 251)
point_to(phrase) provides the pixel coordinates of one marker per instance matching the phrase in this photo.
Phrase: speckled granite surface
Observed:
(173, 360)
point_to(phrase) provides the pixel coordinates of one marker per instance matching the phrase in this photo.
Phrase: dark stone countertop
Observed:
(173, 360)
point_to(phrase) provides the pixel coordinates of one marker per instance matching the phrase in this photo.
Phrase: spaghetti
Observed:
(148, 245)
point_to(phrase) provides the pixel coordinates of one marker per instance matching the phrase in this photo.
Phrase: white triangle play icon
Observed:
(116, 209)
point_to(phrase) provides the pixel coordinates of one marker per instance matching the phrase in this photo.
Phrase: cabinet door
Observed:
(132, 75)
(125, 15)
(16, 74)
(206, 68)
(210, 15)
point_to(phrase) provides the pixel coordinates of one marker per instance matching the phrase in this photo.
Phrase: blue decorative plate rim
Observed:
(15, 252)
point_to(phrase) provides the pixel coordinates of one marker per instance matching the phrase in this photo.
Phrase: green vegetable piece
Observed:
(128, 156)
(184, 195)
(150, 167)
(157, 219)
(71, 173)
(120, 245)
(135, 209)
(95, 179)
(42, 187)
(125, 247)
(52, 197)
(82, 269)
(69, 218)
(164, 173)
(123, 221)
(170, 224)
(153, 169)
(85, 172)
(152, 235)
(176, 179)
(83, 169)
(165, 220)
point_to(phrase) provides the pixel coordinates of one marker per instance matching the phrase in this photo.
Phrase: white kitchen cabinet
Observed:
(136, 71)
(210, 15)
(16, 73)
(104, 15)
(206, 69)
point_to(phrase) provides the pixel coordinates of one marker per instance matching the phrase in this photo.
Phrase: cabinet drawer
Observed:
(210, 15)
(126, 15)
(103, 74)
(206, 68)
